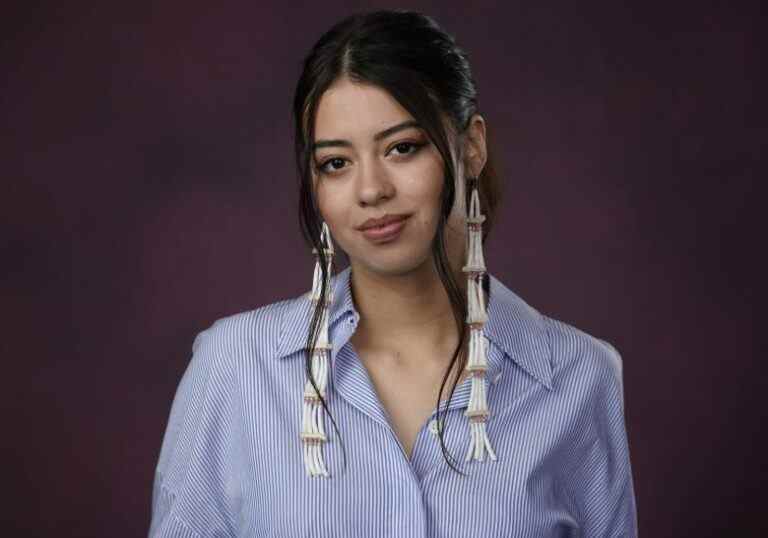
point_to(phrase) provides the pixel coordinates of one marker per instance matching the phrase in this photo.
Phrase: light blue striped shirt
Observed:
(231, 462)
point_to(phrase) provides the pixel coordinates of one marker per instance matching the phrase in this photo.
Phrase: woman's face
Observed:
(370, 163)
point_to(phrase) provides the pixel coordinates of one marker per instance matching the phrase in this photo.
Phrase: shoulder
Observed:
(584, 361)
(245, 334)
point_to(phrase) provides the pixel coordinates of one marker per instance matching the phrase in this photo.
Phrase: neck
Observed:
(405, 315)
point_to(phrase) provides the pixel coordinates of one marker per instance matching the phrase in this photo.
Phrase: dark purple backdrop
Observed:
(148, 177)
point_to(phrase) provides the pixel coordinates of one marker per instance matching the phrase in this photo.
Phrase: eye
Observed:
(402, 147)
(337, 163)
(322, 168)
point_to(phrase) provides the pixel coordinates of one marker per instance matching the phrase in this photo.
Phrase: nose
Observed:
(373, 184)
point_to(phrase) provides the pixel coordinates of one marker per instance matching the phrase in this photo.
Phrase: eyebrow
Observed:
(378, 136)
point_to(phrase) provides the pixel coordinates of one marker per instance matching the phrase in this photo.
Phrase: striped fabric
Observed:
(231, 459)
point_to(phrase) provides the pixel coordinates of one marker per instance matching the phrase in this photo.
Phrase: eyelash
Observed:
(320, 169)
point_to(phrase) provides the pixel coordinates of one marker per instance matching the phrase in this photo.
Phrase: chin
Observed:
(393, 264)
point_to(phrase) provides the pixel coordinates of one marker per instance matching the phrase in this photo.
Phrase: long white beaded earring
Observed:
(312, 430)
(477, 411)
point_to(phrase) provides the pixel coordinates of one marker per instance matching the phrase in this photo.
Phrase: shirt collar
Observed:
(513, 325)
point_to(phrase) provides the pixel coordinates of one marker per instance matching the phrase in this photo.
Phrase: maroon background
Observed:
(148, 177)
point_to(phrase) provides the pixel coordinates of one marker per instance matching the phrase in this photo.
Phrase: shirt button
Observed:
(496, 378)
(432, 427)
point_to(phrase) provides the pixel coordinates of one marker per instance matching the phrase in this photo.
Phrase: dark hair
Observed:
(407, 54)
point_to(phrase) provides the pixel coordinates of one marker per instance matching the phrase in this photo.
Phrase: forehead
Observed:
(353, 110)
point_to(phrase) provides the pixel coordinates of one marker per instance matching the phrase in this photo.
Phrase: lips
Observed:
(383, 221)
(387, 232)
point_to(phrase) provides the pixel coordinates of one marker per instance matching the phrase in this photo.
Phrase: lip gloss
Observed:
(383, 234)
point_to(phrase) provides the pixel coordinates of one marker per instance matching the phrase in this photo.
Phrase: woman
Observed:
(529, 440)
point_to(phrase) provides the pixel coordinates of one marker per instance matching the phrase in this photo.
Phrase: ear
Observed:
(475, 149)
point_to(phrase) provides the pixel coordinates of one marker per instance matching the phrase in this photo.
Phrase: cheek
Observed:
(335, 213)
(429, 190)
(424, 180)
(328, 198)
(427, 212)
(330, 211)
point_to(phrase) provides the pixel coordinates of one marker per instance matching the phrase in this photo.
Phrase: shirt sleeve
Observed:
(194, 487)
(607, 497)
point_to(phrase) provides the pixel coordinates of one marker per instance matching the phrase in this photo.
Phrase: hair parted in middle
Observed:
(410, 56)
